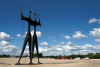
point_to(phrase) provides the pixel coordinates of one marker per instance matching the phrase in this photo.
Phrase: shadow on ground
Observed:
(47, 63)
(2, 63)
(28, 64)
(5, 64)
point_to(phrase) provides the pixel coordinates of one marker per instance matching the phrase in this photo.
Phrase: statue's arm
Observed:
(35, 22)
(39, 21)
(24, 18)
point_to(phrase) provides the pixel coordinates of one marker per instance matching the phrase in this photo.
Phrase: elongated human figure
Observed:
(34, 40)
(27, 38)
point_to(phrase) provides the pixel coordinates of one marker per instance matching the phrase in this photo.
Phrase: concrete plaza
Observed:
(10, 62)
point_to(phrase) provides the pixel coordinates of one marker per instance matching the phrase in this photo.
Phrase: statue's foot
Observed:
(39, 63)
(30, 63)
(17, 63)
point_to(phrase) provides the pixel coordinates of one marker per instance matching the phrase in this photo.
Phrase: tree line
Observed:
(34, 55)
(90, 55)
(4, 55)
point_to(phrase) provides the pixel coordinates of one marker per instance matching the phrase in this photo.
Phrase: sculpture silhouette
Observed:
(28, 37)
(34, 40)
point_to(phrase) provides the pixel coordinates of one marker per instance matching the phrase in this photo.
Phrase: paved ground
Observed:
(10, 62)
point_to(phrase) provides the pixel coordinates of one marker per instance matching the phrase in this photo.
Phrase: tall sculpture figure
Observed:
(28, 37)
(34, 41)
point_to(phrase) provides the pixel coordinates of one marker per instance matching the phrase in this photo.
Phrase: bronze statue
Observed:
(34, 40)
(28, 37)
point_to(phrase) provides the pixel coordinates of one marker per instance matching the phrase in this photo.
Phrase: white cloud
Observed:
(92, 20)
(54, 41)
(99, 20)
(5, 47)
(43, 50)
(70, 44)
(61, 43)
(5, 37)
(67, 37)
(67, 49)
(18, 35)
(95, 33)
(61, 35)
(88, 47)
(3, 43)
(51, 37)
(27, 46)
(61, 49)
(79, 35)
(38, 33)
(97, 40)
(44, 43)
(9, 49)
(24, 35)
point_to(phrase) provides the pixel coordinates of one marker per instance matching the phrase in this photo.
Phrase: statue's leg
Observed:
(32, 47)
(37, 50)
(30, 50)
(24, 45)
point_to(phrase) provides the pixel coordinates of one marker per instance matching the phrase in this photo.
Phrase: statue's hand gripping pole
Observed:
(21, 14)
(21, 10)
(29, 13)
(34, 17)
(28, 19)
(39, 20)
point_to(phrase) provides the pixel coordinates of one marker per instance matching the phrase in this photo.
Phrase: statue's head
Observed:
(29, 11)
(34, 13)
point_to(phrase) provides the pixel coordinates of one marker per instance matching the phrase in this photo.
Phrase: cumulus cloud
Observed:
(18, 35)
(70, 44)
(9, 49)
(99, 20)
(95, 33)
(92, 20)
(5, 47)
(44, 43)
(3, 43)
(38, 33)
(54, 41)
(67, 37)
(27, 46)
(5, 37)
(51, 37)
(88, 47)
(61, 43)
(67, 49)
(24, 35)
(61, 35)
(79, 35)
(97, 40)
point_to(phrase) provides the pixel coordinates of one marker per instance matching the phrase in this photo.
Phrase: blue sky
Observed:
(67, 26)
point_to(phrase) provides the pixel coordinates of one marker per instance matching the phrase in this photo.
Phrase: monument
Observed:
(28, 37)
